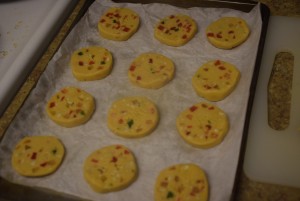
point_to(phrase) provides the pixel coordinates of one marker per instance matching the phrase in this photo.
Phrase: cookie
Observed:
(202, 125)
(132, 117)
(91, 63)
(118, 24)
(151, 70)
(175, 30)
(181, 182)
(215, 80)
(111, 168)
(70, 107)
(227, 32)
(36, 156)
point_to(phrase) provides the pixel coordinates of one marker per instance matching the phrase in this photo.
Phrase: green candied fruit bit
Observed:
(80, 53)
(130, 123)
(54, 151)
(102, 62)
(82, 112)
(170, 194)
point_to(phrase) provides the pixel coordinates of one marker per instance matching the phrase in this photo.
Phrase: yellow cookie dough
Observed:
(70, 107)
(202, 125)
(91, 63)
(37, 155)
(111, 168)
(175, 30)
(181, 182)
(215, 80)
(151, 70)
(118, 24)
(132, 117)
(227, 32)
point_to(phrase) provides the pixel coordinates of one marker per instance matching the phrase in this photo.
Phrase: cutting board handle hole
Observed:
(280, 91)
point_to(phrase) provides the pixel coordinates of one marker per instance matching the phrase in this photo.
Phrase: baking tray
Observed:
(18, 192)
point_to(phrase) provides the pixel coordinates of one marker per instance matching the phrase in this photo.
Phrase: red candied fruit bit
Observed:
(211, 108)
(207, 86)
(210, 34)
(219, 35)
(221, 67)
(218, 62)
(33, 156)
(43, 164)
(132, 68)
(126, 29)
(208, 126)
(160, 27)
(193, 108)
(52, 104)
(114, 159)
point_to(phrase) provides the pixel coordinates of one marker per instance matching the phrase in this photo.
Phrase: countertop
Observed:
(246, 189)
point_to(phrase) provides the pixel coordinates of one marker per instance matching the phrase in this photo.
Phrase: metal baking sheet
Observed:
(214, 182)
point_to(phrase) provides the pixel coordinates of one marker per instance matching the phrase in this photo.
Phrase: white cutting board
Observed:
(274, 156)
(26, 28)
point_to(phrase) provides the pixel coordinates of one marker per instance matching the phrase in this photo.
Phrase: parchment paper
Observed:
(163, 147)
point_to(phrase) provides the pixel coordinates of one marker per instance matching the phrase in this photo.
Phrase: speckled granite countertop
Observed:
(283, 7)
(246, 190)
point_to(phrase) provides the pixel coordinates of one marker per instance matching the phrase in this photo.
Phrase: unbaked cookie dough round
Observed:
(110, 168)
(181, 182)
(132, 117)
(202, 125)
(175, 30)
(227, 32)
(70, 107)
(118, 24)
(35, 156)
(151, 70)
(91, 63)
(215, 80)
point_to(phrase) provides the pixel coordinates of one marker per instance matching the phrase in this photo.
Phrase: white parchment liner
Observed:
(163, 147)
